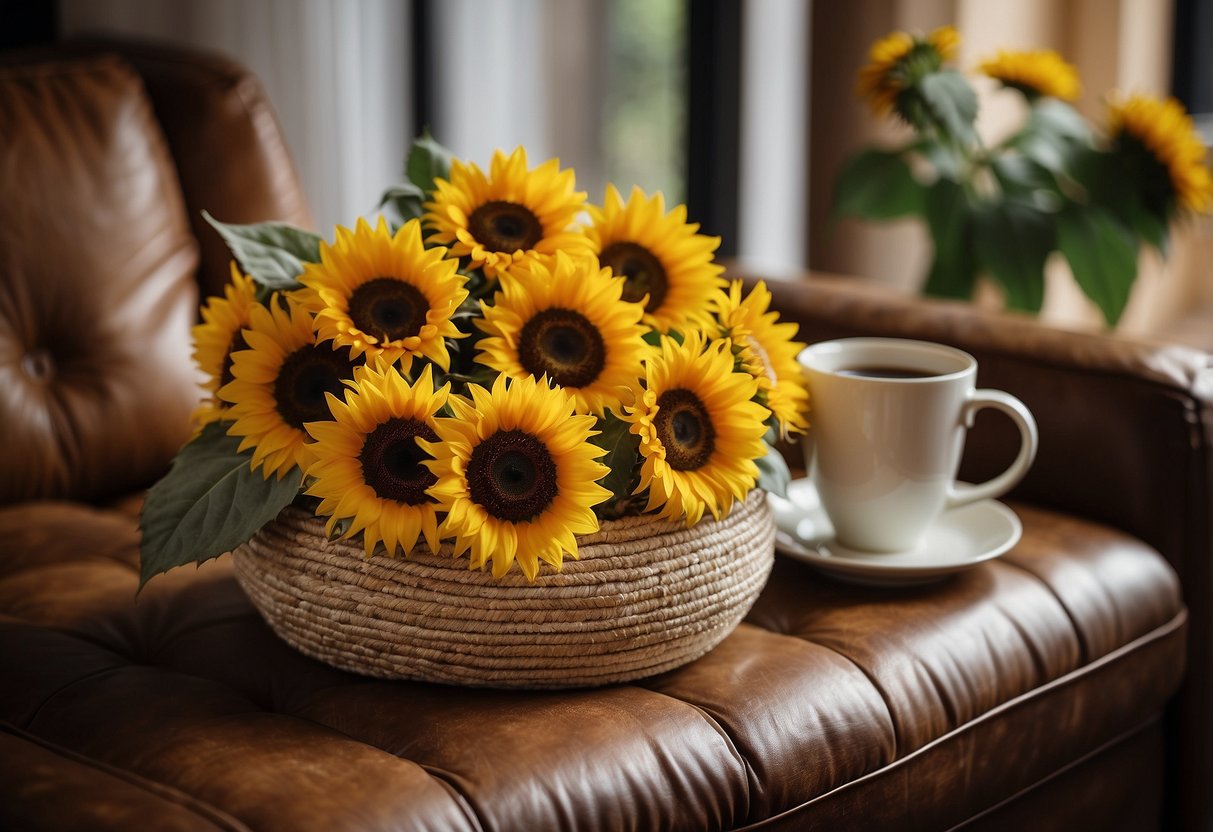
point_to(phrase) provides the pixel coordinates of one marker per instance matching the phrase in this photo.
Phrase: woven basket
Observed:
(644, 596)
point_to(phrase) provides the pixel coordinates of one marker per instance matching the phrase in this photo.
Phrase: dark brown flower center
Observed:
(684, 427)
(1140, 164)
(565, 345)
(388, 308)
(512, 475)
(641, 270)
(392, 461)
(505, 226)
(305, 376)
(237, 343)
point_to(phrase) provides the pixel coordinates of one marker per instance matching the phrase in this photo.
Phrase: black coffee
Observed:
(885, 372)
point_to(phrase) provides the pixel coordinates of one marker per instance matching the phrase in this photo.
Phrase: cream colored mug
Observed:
(889, 418)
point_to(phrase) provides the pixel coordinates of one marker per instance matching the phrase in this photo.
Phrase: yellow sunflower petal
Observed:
(700, 428)
(664, 262)
(507, 494)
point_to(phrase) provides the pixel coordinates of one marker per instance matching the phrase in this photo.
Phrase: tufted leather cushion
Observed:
(912, 709)
(224, 137)
(96, 285)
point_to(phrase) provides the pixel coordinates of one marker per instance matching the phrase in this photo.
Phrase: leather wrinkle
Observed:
(717, 725)
(1084, 647)
(872, 680)
(1076, 675)
(450, 782)
(88, 677)
(163, 791)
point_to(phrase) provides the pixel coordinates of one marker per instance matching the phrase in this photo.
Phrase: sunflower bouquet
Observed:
(1054, 185)
(491, 363)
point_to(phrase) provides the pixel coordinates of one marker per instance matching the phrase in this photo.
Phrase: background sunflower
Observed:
(897, 62)
(999, 212)
(517, 476)
(366, 463)
(700, 430)
(510, 217)
(385, 294)
(664, 262)
(570, 324)
(1035, 73)
(1162, 129)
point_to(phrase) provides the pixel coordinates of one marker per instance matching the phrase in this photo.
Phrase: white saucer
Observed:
(960, 539)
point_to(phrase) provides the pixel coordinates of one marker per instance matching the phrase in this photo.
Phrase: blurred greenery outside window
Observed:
(645, 109)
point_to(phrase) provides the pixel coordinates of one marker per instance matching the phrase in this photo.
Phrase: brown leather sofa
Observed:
(1037, 691)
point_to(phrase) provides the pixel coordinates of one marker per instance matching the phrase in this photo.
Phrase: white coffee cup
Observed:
(889, 418)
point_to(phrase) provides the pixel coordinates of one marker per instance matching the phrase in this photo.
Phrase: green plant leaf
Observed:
(622, 454)
(951, 102)
(877, 185)
(1149, 225)
(208, 503)
(1102, 255)
(427, 161)
(1059, 118)
(953, 270)
(272, 253)
(1054, 136)
(1013, 240)
(773, 473)
(401, 203)
(1020, 174)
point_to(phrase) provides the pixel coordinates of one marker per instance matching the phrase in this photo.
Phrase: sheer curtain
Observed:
(337, 72)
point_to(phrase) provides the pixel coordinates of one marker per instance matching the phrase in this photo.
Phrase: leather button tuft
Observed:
(38, 365)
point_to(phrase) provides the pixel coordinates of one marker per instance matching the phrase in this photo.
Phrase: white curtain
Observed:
(336, 71)
(773, 193)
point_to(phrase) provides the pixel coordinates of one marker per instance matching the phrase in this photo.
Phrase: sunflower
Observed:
(218, 336)
(367, 465)
(664, 262)
(1035, 73)
(767, 351)
(517, 475)
(385, 294)
(509, 218)
(699, 429)
(570, 325)
(1160, 136)
(280, 384)
(897, 60)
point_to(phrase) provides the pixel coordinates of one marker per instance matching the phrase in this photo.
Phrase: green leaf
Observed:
(272, 253)
(1059, 118)
(877, 185)
(1020, 173)
(207, 504)
(951, 102)
(1102, 255)
(622, 454)
(944, 158)
(1150, 226)
(1013, 240)
(402, 203)
(953, 268)
(773, 473)
(427, 161)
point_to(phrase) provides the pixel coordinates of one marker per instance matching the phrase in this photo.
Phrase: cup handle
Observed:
(961, 494)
